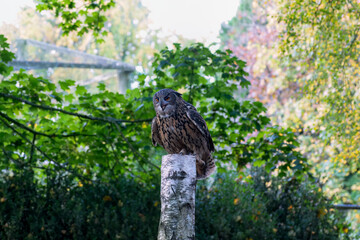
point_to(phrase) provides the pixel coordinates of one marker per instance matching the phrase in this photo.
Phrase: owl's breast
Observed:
(170, 133)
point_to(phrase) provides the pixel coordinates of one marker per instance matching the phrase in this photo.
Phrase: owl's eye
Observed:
(156, 99)
(167, 98)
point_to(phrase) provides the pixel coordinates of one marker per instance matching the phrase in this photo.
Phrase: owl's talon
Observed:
(183, 152)
(201, 163)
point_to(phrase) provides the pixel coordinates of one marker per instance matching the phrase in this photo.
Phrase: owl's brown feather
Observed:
(181, 129)
(200, 123)
(155, 133)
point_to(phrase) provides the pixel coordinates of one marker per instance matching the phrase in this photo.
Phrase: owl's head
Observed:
(165, 102)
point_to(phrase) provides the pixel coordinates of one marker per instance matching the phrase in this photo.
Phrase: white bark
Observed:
(178, 185)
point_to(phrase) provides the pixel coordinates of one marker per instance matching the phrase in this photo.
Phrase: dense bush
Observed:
(265, 207)
(62, 208)
(121, 209)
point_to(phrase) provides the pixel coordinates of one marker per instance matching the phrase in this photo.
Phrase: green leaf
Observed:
(259, 163)
(101, 86)
(80, 90)
(65, 85)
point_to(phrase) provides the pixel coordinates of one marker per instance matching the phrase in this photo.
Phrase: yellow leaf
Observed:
(107, 198)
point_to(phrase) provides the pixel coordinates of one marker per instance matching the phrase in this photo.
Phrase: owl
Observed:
(180, 129)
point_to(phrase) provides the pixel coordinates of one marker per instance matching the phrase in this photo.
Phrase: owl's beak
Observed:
(163, 105)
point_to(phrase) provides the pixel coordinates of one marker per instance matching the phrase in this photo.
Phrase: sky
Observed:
(9, 10)
(196, 19)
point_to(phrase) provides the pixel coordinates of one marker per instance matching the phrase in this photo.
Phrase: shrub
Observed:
(231, 210)
(121, 209)
(265, 207)
(62, 207)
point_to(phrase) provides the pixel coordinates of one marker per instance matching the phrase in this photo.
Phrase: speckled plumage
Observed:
(179, 128)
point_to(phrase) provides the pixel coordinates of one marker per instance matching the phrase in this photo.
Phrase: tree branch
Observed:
(40, 133)
(23, 164)
(32, 148)
(43, 153)
(118, 162)
(114, 121)
(10, 158)
(132, 148)
(107, 119)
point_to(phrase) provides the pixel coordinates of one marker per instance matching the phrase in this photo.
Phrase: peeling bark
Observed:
(178, 185)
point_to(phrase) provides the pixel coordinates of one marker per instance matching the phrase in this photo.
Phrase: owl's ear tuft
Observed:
(178, 94)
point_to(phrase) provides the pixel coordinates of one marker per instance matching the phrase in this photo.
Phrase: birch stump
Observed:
(178, 185)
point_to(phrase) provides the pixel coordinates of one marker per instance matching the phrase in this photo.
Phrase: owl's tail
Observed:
(205, 167)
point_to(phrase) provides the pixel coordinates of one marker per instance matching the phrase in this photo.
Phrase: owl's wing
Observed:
(190, 106)
(155, 133)
(200, 123)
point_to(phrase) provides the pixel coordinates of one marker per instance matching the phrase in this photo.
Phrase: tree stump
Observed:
(178, 185)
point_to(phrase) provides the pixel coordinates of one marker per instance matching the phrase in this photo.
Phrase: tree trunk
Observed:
(178, 185)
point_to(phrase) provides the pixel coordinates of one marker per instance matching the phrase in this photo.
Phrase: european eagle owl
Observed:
(180, 129)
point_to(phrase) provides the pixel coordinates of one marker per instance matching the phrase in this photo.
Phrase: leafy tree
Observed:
(211, 79)
(320, 46)
(43, 126)
(283, 79)
(79, 16)
(5, 56)
(295, 89)
(252, 35)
